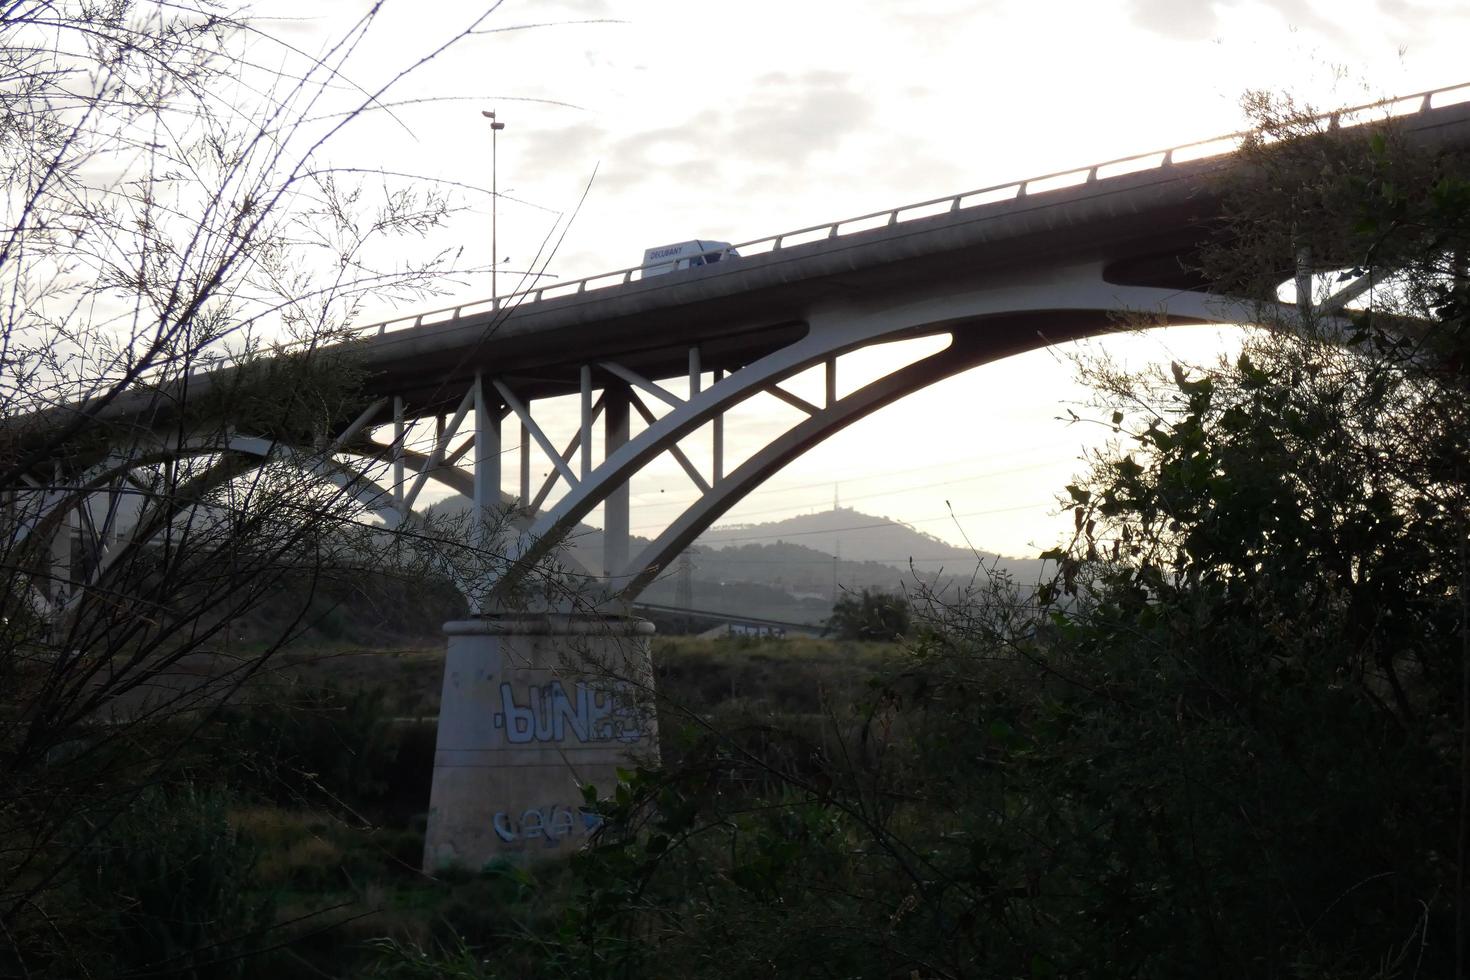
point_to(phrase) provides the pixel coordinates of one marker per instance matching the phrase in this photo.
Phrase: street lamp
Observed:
(495, 128)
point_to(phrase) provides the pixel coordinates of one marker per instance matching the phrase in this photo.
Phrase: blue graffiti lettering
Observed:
(550, 713)
(552, 823)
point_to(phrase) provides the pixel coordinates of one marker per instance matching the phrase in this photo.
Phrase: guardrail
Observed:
(1152, 160)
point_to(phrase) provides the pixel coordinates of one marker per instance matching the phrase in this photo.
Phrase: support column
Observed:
(400, 433)
(585, 433)
(615, 505)
(61, 560)
(487, 456)
(534, 708)
(717, 449)
(485, 530)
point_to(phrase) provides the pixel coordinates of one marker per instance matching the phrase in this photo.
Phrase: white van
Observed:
(685, 255)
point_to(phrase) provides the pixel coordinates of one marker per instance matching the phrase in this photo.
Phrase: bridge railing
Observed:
(1010, 190)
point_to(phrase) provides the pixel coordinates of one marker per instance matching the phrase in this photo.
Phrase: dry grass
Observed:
(798, 674)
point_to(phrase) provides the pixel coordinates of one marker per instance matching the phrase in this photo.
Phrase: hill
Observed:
(794, 569)
(850, 535)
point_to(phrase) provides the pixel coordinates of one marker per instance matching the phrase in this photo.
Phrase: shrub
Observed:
(168, 885)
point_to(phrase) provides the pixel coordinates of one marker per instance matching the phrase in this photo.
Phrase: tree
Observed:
(869, 615)
(1273, 570)
(181, 264)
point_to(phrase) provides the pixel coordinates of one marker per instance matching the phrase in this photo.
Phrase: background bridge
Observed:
(993, 272)
(990, 272)
(655, 367)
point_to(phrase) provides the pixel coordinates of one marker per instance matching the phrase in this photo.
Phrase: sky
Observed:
(732, 121)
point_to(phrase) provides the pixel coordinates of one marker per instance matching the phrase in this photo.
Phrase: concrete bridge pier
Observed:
(533, 708)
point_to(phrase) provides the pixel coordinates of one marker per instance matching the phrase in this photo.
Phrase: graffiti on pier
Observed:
(552, 823)
(552, 713)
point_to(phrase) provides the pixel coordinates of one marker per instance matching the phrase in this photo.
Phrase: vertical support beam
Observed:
(399, 434)
(90, 542)
(486, 477)
(487, 455)
(586, 430)
(61, 557)
(831, 382)
(695, 371)
(160, 494)
(1304, 283)
(110, 534)
(615, 505)
(525, 462)
(719, 440)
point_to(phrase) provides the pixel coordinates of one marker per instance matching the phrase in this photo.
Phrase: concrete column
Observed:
(534, 707)
(615, 505)
(61, 559)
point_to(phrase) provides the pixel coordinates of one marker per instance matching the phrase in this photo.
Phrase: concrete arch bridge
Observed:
(991, 272)
(994, 272)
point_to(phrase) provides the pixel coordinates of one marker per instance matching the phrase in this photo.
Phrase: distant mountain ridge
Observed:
(852, 535)
(794, 569)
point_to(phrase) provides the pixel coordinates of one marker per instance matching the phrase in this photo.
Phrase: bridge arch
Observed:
(984, 324)
(1060, 254)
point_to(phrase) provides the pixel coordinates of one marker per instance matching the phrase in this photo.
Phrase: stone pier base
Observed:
(534, 707)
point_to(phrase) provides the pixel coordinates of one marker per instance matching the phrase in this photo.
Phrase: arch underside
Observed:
(63, 507)
(985, 320)
(965, 351)
(975, 340)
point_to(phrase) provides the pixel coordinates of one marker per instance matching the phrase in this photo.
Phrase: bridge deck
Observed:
(1142, 225)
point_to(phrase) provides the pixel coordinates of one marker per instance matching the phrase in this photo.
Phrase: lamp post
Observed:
(495, 128)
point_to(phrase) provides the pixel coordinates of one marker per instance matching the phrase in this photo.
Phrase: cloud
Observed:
(564, 150)
(791, 118)
(931, 19)
(1198, 20)
(1185, 20)
(783, 121)
(587, 8)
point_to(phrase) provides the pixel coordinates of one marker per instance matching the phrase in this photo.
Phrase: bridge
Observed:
(997, 271)
(990, 272)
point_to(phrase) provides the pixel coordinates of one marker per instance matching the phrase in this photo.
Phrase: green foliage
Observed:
(398, 960)
(167, 886)
(869, 615)
(317, 745)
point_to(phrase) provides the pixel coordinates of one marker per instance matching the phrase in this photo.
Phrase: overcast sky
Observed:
(740, 119)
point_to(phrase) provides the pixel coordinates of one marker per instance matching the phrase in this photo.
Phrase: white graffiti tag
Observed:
(551, 714)
(552, 823)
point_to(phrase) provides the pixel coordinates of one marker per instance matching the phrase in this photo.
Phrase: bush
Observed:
(318, 746)
(870, 616)
(169, 888)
